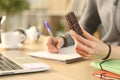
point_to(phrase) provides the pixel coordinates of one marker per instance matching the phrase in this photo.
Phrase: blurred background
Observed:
(22, 14)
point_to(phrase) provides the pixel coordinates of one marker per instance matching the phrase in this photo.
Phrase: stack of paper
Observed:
(65, 54)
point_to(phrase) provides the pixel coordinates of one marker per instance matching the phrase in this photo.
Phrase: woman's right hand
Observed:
(51, 46)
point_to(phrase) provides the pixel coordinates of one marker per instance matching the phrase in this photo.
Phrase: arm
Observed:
(90, 20)
(115, 53)
(91, 46)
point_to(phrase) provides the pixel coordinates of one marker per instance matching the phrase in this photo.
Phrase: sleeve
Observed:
(67, 40)
(89, 20)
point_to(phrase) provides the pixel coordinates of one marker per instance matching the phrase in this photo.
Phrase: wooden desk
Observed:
(59, 70)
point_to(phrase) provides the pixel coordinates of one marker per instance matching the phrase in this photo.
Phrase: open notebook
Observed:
(66, 55)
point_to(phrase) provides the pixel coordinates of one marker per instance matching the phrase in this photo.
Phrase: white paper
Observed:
(64, 54)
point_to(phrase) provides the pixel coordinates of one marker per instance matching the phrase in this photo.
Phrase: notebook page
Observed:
(63, 55)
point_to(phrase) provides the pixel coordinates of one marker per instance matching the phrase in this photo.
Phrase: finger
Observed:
(59, 43)
(84, 48)
(82, 40)
(87, 35)
(51, 46)
(52, 51)
(86, 42)
(80, 52)
(77, 48)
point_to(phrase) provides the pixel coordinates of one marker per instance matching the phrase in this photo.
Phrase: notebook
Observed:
(14, 62)
(105, 75)
(66, 55)
(110, 65)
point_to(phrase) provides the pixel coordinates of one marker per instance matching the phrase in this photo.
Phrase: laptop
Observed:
(14, 62)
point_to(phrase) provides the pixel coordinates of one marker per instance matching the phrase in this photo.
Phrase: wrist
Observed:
(109, 52)
(61, 41)
(64, 41)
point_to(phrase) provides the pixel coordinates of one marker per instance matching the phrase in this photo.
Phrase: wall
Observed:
(52, 5)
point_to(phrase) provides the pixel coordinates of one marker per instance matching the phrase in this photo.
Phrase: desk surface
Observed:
(60, 71)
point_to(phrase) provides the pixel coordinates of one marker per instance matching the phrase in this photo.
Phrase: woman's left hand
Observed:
(89, 45)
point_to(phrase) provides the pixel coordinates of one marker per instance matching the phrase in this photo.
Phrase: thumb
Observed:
(59, 44)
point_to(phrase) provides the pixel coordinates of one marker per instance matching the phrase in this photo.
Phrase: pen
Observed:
(50, 32)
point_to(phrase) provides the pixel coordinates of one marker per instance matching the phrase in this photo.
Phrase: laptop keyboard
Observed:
(6, 64)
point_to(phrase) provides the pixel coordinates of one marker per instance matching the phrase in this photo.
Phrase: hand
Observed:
(89, 45)
(53, 47)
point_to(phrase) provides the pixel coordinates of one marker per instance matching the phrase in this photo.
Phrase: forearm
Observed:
(115, 52)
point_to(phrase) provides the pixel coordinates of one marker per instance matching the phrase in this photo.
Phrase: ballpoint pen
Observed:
(50, 32)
